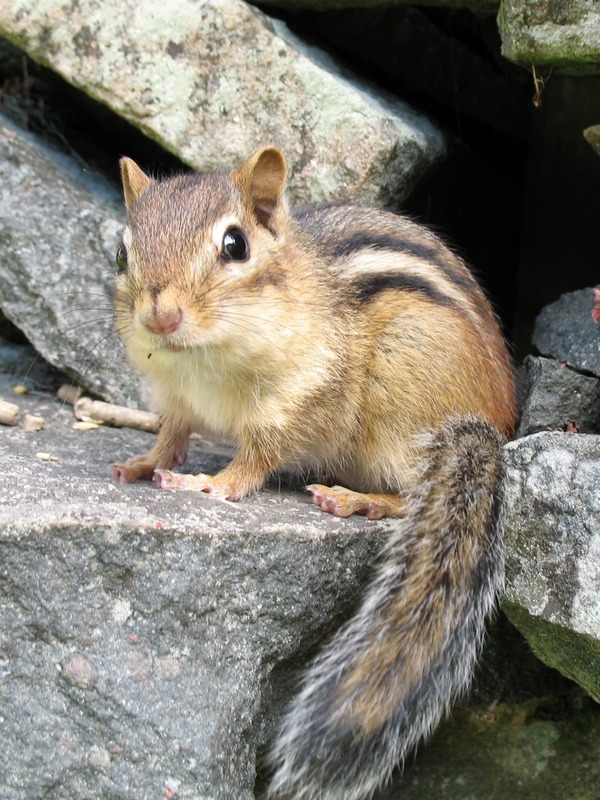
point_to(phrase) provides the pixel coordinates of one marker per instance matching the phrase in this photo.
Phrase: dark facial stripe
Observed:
(422, 251)
(369, 285)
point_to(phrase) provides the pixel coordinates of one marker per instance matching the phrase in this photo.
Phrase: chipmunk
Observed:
(352, 343)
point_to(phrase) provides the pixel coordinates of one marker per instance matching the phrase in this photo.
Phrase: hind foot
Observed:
(343, 502)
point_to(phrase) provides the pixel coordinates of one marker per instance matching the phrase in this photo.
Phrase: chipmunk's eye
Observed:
(121, 259)
(235, 246)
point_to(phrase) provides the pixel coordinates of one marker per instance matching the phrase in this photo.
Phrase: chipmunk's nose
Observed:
(163, 321)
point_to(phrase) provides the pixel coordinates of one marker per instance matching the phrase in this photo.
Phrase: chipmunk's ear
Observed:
(135, 182)
(262, 178)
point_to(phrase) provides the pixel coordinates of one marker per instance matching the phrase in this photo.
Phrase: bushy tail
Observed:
(386, 679)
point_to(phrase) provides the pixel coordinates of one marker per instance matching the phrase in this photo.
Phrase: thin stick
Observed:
(119, 416)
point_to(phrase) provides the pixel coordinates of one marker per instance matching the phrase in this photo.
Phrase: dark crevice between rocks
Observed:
(40, 101)
(447, 64)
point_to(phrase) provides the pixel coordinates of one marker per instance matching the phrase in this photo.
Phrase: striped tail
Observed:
(388, 677)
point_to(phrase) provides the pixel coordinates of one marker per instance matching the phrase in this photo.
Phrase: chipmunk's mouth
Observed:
(171, 347)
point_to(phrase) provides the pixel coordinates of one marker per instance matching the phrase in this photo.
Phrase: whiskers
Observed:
(89, 325)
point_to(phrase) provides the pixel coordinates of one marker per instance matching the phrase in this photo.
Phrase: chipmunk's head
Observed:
(200, 255)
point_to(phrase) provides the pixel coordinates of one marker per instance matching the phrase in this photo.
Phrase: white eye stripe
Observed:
(220, 228)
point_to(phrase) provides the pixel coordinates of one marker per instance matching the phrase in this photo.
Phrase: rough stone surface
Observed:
(184, 73)
(557, 393)
(566, 331)
(145, 636)
(59, 230)
(553, 548)
(564, 35)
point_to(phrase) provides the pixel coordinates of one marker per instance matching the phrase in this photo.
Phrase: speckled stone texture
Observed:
(553, 550)
(564, 34)
(211, 81)
(566, 331)
(146, 636)
(59, 231)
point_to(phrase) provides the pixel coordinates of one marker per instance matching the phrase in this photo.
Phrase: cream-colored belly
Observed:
(212, 395)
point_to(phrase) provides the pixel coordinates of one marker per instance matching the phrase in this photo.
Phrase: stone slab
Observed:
(211, 81)
(146, 636)
(59, 231)
(552, 502)
(564, 35)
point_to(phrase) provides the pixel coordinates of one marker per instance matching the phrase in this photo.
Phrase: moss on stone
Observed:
(544, 749)
(563, 34)
(574, 654)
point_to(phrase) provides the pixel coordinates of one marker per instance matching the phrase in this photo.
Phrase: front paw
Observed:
(165, 479)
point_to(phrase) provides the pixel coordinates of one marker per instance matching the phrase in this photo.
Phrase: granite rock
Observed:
(146, 636)
(564, 35)
(59, 231)
(552, 489)
(211, 81)
(552, 504)
(557, 393)
(148, 639)
(566, 331)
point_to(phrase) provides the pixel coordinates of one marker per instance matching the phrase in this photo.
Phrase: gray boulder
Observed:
(566, 331)
(147, 637)
(211, 81)
(552, 495)
(59, 231)
(557, 393)
(552, 503)
(564, 35)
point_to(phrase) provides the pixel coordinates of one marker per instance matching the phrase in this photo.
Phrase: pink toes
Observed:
(330, 499)
(343, 502)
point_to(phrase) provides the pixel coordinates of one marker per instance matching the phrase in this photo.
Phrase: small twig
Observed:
(539, 84)
(118, 416)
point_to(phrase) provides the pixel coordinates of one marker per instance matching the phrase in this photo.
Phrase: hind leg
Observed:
(343, 502)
